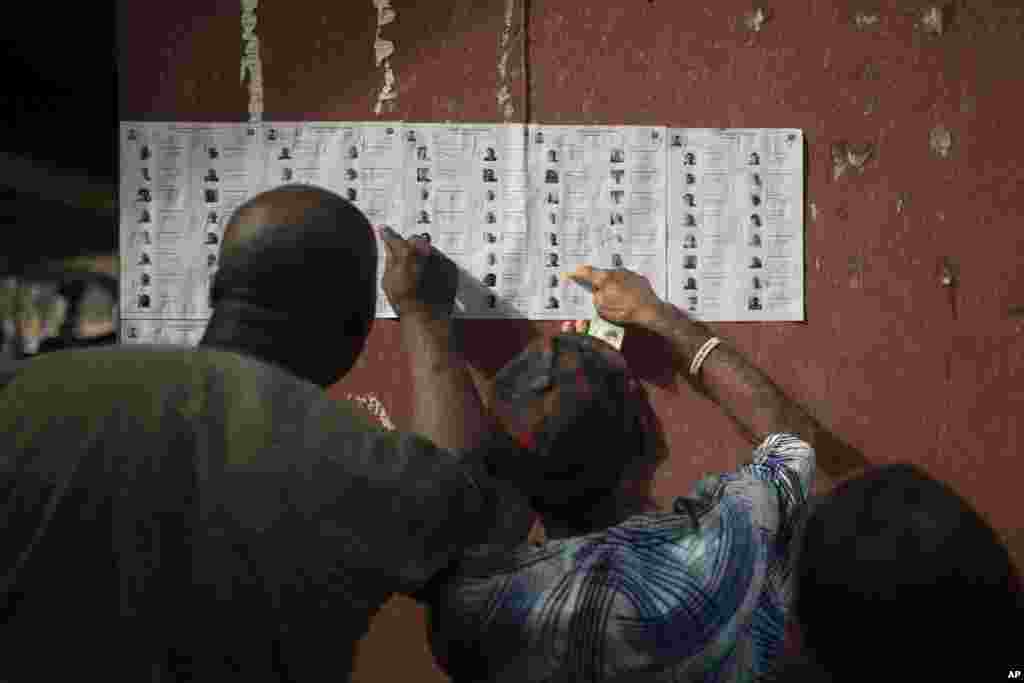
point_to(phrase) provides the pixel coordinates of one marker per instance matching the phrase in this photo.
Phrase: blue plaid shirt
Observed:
(699, 594)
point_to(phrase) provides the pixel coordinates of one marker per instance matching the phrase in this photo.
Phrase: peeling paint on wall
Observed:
(901, 202)
(814, 212)
(863, 20)
(855, 269)
(941, 141)
(505, 48)
(846, 157)
(382, 50)
(755, 19)
(374, 406)
(933, 21)
(251, 64)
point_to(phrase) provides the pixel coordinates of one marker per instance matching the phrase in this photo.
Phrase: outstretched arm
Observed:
(446, 407)
(420, 282)
(745, 393)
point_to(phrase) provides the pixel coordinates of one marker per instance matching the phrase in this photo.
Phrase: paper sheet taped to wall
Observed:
(713, 218)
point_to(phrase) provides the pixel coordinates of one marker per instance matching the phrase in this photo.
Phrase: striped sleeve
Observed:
(788, 462)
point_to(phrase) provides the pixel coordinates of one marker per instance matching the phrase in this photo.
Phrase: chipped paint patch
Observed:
(863, 20)
(941, 141)
(846, 157)
(870, 105)
(814, 211)
(374, 406)
(901, 202)
(383, 50)
(756, 18)
(252, 66)
(855, 268)
(504, 95)
(933, 20)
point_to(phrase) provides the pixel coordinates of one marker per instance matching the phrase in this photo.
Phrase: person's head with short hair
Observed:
(579, 417)
(277, 251)
(896, 563)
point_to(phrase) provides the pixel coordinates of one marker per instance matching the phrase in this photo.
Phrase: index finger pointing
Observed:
(387, 234)
(390, 238)
(588, 275)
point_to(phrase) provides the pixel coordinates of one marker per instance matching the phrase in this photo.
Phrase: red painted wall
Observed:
(897, 364)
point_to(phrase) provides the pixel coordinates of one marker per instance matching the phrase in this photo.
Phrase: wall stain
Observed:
(863, 20)
(846, 156)
(901, 202)
(855, 270)
(941, 141)
(935, 20)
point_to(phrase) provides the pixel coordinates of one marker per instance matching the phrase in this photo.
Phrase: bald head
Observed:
(297, 282)
(291, 205)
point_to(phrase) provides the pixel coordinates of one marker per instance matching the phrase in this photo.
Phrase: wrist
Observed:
(685, 334)
(653, 315)
(423, 316)
(430, 339)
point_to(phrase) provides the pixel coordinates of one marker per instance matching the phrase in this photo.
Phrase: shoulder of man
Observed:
(9, 369)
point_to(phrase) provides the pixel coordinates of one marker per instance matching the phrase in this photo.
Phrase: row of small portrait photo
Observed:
(690, 158)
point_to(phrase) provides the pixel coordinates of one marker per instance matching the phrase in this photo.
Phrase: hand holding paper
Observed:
(418, 278)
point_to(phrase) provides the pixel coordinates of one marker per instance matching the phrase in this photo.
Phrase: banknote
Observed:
(606, 331)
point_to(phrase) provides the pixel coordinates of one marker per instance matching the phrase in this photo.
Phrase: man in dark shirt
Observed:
(210, 514)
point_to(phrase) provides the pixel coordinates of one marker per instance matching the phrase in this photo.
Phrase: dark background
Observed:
(59, 95)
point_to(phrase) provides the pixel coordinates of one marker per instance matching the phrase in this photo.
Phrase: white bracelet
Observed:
(698, 359)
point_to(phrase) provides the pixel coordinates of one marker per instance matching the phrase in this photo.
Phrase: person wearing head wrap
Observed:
(750, 577)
